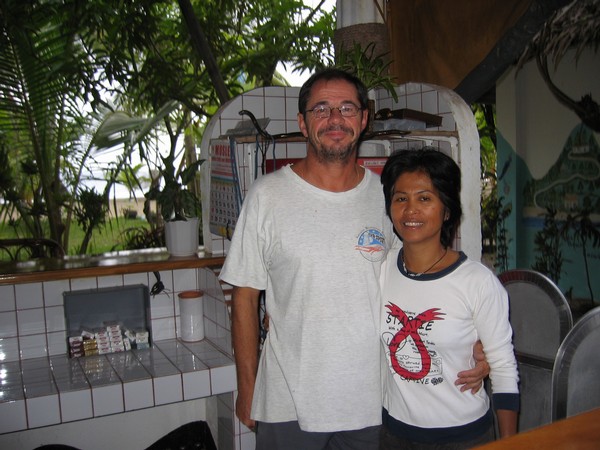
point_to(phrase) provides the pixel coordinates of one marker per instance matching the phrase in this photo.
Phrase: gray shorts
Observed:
(289, 436)
(390, 441)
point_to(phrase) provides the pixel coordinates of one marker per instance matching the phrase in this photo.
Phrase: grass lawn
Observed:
(108, 238)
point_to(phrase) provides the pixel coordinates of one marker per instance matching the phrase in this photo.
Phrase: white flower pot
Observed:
(181, 237)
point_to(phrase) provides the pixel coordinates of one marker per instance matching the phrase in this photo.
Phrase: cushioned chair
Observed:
(541, 318)
(576, 372)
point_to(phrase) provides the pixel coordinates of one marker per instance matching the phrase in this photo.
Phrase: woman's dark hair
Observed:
(328, 75)
(445, 177)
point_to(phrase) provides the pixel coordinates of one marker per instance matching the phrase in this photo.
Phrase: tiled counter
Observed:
(40, 386)
(39, 392)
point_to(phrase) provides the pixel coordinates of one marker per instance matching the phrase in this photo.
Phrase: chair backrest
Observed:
(539, 314)
(540, 317)
(576, 372)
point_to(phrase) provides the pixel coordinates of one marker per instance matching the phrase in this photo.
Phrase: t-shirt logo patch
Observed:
(371, 244)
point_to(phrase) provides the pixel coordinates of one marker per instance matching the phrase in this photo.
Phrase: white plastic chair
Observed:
(541, 318)
(576, 372)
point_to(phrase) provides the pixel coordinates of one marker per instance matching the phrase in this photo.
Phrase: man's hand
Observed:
(242, 410)
(473, 379)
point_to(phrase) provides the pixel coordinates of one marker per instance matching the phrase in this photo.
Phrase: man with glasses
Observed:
(312, 235)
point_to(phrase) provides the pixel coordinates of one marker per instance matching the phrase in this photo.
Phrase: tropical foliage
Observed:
(494, 210)
(77, 78)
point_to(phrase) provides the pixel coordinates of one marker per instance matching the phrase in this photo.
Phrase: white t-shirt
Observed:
(429, 324)
(317, 254)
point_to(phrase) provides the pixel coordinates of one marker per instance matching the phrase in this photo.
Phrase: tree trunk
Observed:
(202, 47)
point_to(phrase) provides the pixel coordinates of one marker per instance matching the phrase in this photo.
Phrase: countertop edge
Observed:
(104, 265)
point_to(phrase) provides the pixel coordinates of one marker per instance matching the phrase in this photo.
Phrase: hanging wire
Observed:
(157, 287)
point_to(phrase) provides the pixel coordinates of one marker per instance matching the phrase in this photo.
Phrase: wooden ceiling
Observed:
(462, 44)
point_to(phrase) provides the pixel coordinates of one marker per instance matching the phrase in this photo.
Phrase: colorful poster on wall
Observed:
(225, 195)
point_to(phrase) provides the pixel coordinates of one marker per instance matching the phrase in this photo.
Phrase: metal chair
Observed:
(541, 318)
(575, 386)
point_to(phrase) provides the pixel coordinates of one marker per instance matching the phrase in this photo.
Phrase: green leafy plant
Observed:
(141, 237)
(580, 231)
(91, 213)
(174, 200)
(493, 224)
(371, 68)
(549, 259)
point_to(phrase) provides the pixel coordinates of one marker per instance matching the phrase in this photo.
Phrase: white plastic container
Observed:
(191, 310)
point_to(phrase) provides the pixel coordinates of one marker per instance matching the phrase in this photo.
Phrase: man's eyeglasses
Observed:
(324, 111)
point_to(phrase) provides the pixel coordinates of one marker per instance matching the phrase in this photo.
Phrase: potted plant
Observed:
(178, 206)
(371, 68)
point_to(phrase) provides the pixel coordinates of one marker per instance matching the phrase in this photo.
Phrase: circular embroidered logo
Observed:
(371, 244)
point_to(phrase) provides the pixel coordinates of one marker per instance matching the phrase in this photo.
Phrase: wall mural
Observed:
(560, 217)
(572, 184)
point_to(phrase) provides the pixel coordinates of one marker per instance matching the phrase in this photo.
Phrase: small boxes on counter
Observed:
(110, 338)
(107, 320)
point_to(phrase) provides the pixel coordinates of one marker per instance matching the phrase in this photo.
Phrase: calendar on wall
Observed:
(225, 194)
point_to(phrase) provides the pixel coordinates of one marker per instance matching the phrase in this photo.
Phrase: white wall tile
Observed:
(247, 441)
(9, 350)
(209, 282)
(210, 308)
(222, 314)
(196, 385)
(8, 324)
(29, 295)
(413, 101)
(7, 298)
(232, 110)
(185, 279)
(53, 292)
(163, 329)
(201, 276)
(33, 346)
(166, 278)
(110, 281)
(138, 394)
(430, 102)
(225, 440)
(210, 328)
(57, 343)
(168, 389)
(43, 411)
(291, 110)
(230, 123)
(31, 321)
(136, 278)
(107, 400)
(296, 150)
(223, 379)
(161, 305)
(76, 405)
(276, 108)
(78, 284)
(226, 416)
(55, 319)
(13, 416)
(256, 105)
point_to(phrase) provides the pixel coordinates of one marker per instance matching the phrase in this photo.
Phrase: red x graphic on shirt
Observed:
(411, 328)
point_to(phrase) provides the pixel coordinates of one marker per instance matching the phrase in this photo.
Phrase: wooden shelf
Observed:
(118, 263)
(376, 136)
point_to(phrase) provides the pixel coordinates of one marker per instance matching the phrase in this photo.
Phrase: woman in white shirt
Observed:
(436, 304)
